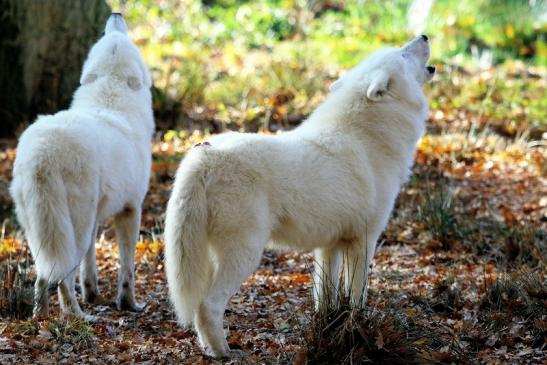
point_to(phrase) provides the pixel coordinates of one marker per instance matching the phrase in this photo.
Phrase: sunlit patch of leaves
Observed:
(485, 154)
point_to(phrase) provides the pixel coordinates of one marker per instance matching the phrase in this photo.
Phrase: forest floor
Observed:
(459, 275)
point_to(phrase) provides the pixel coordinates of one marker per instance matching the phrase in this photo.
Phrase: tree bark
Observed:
(43, 44)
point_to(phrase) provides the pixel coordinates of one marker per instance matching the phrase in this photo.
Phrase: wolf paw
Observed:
(225, 353)
(125, 303)
(93, 297)
(40, 312)
(90, 318)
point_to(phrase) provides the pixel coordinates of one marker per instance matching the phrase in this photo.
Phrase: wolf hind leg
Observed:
(238, 257)
(41, 297)
(67, 296)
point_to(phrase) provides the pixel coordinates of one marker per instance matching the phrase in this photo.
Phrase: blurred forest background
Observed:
(460, 276)
(246, 64)
(267, 63)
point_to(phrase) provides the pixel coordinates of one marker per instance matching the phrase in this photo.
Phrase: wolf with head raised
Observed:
(80, 166)
(327, 186)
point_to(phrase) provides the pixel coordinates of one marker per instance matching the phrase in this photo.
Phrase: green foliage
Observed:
(231, 57)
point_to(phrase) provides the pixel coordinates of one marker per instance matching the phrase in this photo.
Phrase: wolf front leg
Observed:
(357, 268)
(325, 276)
(127, 225)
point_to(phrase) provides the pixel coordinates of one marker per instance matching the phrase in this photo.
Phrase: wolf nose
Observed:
(424, 37)
(115, 23)
(431, 69)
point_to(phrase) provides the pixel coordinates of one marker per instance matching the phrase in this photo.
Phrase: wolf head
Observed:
(391, 73)
(116, 58)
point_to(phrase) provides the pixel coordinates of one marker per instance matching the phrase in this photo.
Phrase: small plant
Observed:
(345, 333)
(16, 291)
(74, 330)
(437, 214)
(519, 294)
(448, 295)
(526, 245)
(27, 328)
(349, 335)
(507, 245)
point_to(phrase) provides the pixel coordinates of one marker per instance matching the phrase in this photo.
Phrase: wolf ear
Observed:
(134, 83)
(377, 87)
(139, 77)
(89, 74)
(88, 78)
(90, 71)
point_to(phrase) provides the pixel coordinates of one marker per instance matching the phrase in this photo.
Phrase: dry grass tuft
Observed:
(349, 335)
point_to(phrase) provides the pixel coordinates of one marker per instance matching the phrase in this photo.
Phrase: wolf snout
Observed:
(424, 37)
(431, 69)
(116, 23)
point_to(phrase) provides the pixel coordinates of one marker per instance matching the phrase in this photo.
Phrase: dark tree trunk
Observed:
(43, 44)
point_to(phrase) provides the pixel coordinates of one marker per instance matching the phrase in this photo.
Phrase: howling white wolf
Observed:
(80, 166)
(328, 186)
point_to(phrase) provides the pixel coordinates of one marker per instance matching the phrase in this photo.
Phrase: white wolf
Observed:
(328, 186)
(78, 167)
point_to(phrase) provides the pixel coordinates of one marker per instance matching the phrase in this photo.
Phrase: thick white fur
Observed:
(328, 186)
(80, 166)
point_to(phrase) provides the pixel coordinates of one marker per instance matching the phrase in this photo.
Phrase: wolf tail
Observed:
(188, 266)
(43, 211)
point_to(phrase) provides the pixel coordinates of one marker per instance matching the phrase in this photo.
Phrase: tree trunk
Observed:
(43, 44)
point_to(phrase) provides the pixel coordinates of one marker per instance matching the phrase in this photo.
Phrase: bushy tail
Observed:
(42, 208)
(188, 266)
